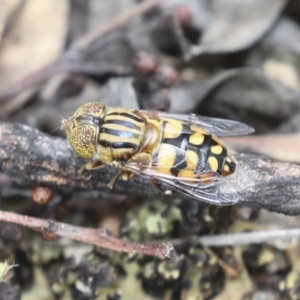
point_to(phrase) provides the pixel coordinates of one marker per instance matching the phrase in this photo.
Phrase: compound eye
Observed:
(83, 140)
(93, 108)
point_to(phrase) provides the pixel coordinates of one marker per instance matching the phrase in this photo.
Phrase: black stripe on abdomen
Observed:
(179, 163)
(180, 143)
(182, 140)
(220, 157)
(202, 151)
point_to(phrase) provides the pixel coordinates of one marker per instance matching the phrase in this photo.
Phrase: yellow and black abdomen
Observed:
(188, 151)
(120, 133)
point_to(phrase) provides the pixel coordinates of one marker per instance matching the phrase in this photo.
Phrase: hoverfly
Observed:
(177, 153)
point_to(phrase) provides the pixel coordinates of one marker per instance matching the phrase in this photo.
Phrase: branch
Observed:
(29, 154)
(99, 237)
(248, 238)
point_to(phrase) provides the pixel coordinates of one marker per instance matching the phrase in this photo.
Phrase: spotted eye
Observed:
(83, 140)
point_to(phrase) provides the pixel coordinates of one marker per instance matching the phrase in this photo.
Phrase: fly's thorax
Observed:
(82, 128)
(121, 134)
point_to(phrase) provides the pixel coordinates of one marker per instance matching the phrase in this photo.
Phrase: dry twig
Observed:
(248, 238)
(225, 266)
(29, 154)
(99, 237)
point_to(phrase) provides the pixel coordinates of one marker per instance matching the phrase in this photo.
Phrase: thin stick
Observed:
(227, 268)
(99, 237)
(247, 238)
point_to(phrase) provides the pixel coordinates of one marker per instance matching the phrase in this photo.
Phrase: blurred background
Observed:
(232, 59)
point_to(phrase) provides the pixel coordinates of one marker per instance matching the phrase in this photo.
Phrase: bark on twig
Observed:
(27, 153)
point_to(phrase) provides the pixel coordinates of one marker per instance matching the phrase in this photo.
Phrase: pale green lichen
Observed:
(4, 269)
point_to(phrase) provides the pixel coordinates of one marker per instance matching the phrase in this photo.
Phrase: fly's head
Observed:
(82, 128)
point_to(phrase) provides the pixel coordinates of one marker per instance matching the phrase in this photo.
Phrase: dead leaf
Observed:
(7, 13)
(35, 38)
(236, 25)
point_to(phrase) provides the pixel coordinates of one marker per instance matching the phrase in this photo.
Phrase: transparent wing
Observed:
(215, 190)
(219, 192)
(218, 127)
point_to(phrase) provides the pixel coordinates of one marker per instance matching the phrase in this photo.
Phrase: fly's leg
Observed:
(91, 165)
(112, 182)
(140, 160)
(125, 176)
